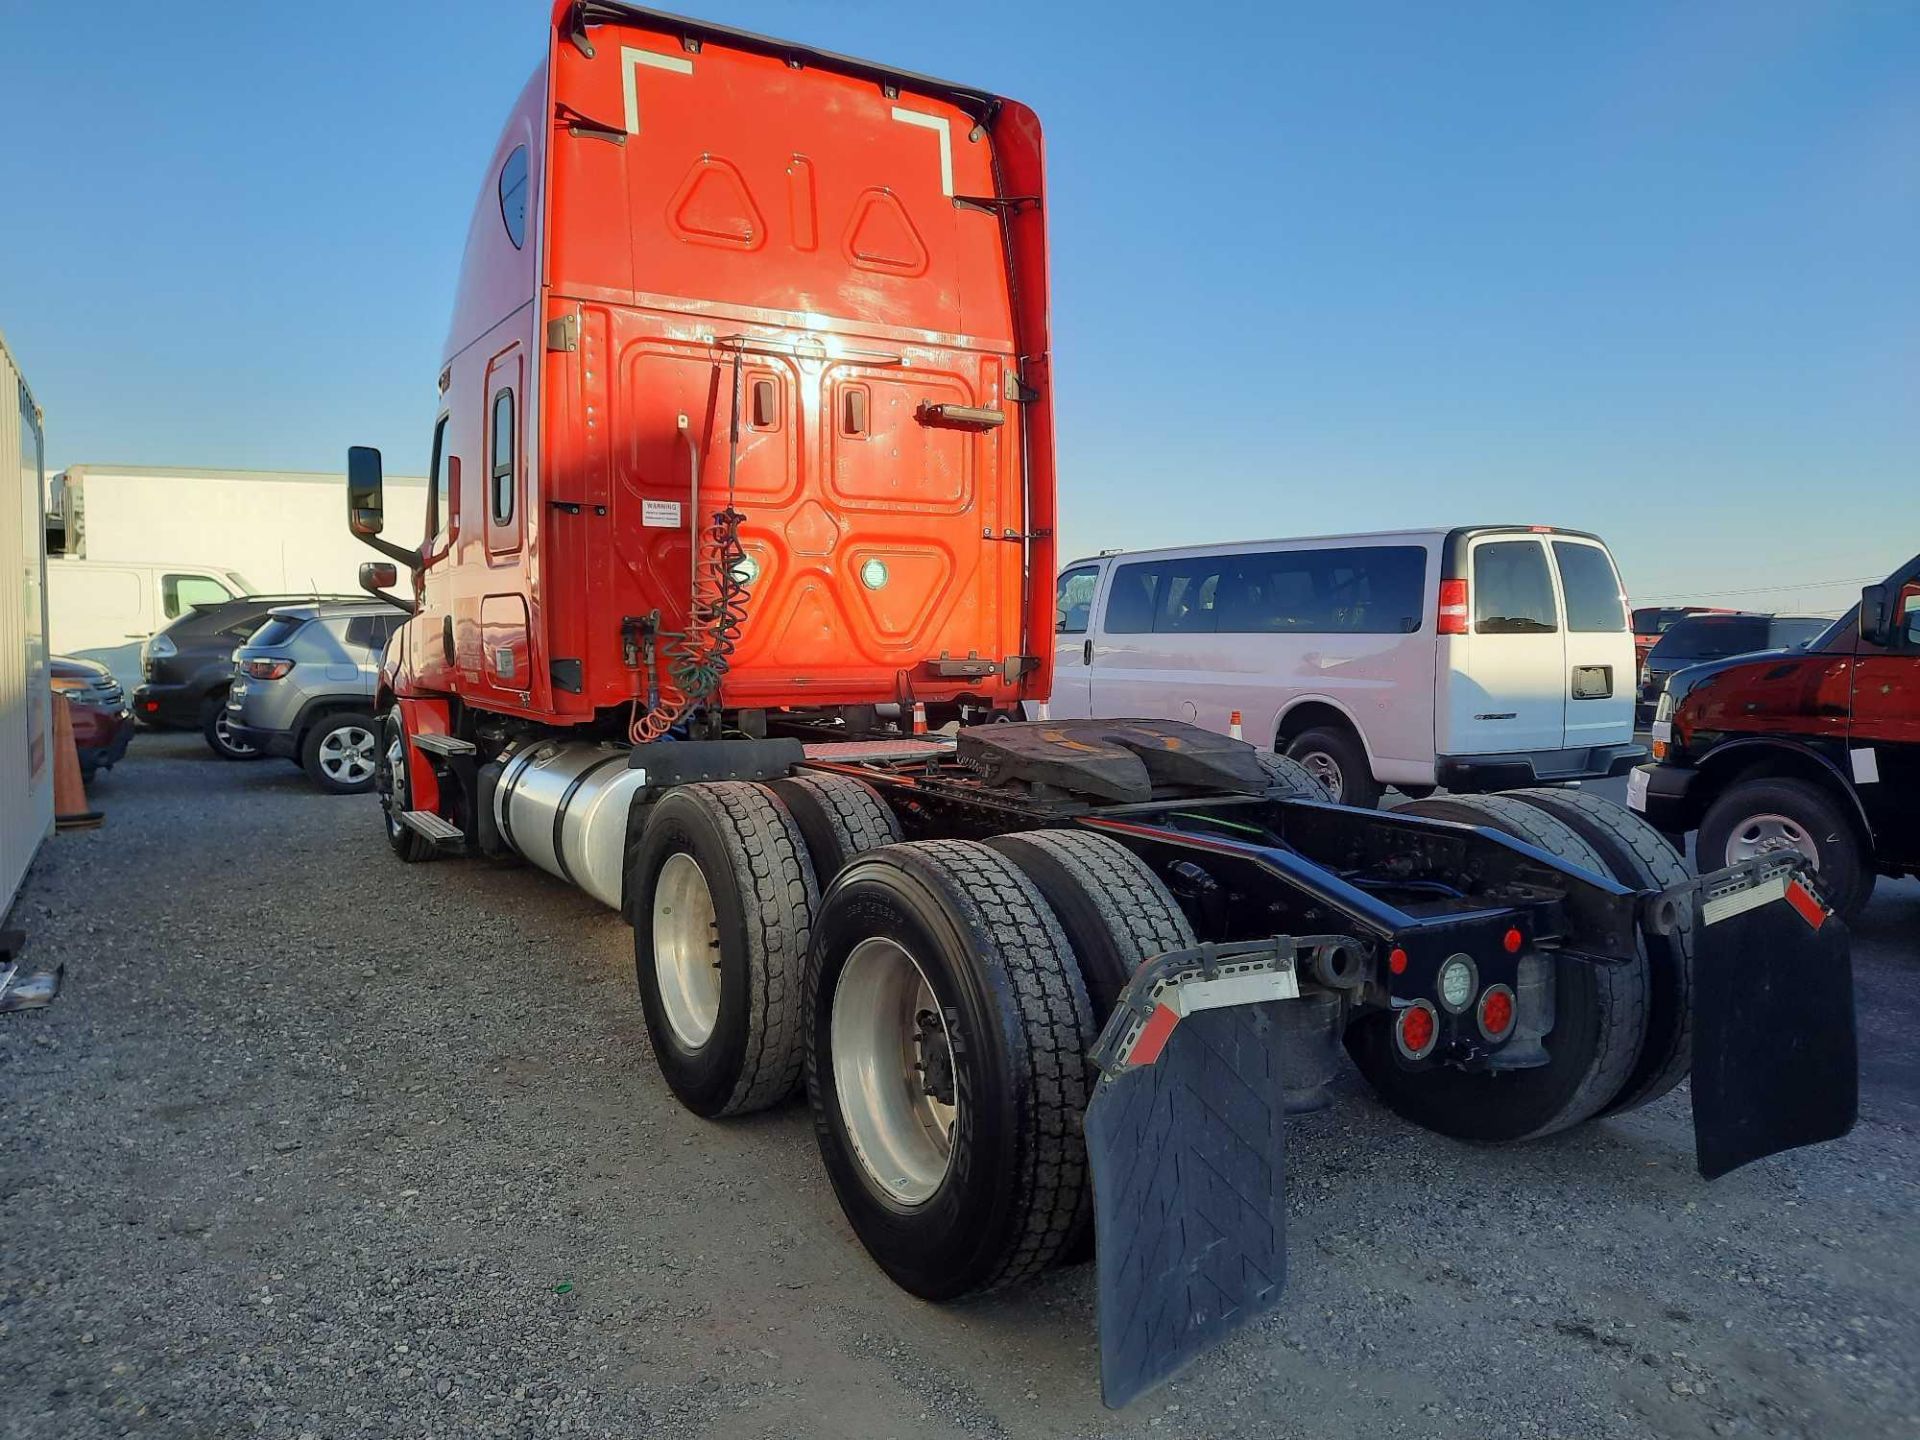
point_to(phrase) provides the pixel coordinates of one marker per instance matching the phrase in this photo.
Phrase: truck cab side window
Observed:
(500, 474)
(1073, 600)
(437, 512)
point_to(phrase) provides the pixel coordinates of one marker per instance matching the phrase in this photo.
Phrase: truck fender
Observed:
(1802, 760)
(423, 715)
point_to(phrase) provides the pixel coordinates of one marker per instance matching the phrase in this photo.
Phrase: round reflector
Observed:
(1416, 1030)
(1457, 978)
(1513, 940)
(1496, 1012)
(1397, 961)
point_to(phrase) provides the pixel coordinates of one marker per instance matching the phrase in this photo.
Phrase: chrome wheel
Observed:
(686, 950)
(1770, 834)
(893, 1071)
(1324, 768)
(347, 755)
(231, 743)
(392, 783)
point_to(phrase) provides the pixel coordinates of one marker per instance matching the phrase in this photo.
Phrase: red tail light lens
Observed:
(268, 669)
(1496, 1012)
(1416, 1030)
(1453, 607)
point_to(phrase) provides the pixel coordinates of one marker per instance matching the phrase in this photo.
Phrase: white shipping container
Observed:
(284, 531)
(26, 715)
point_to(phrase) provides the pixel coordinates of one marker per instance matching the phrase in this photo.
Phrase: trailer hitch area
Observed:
(1775, 1061)
(1184, 1141)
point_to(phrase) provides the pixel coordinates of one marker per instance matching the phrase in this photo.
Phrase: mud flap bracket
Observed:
(1184, 1136)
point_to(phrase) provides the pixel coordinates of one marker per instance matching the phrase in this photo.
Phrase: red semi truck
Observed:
(744, 459)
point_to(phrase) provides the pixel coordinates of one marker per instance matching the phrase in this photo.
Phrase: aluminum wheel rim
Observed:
(1770, 834)
(223, 732)
(686, 950)
(1324, 768)
(395, 797)
(882, 1048)
(347, 754)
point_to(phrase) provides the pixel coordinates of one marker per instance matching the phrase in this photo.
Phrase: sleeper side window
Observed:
(1073, 600)
(513, 197)
(501, 472)
(1512, 589)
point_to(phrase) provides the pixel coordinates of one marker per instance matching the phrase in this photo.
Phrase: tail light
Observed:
(1496, 1012)
(1453, 607)
(268, 669)
(1417, 1030)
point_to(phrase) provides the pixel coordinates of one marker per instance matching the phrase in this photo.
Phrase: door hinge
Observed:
(563, 332)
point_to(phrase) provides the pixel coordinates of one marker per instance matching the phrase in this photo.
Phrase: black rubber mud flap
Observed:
(1185, 1142)
(1774, 1058)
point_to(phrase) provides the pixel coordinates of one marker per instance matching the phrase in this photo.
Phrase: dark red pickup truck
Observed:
(1815, 750)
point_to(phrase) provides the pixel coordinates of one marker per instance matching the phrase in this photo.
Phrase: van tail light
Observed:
(1453, 607)
(268, 669)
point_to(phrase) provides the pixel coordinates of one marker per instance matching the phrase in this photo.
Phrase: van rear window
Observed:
(1358, 590)
(1512, 591)
(1591, 588)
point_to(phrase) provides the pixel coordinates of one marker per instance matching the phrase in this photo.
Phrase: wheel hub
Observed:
(686, 950)
(1324, 768)
(1770, 834)
(893, 1071)
(347, 755)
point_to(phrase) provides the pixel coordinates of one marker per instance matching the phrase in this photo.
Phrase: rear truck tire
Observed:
(1287, 776)
(1115, 911)
(396, 792)
(1640, 856)
(218, 734)
(841, 817)
(341, 751)
(1600, 1019)
(1336, 758)
(1753, 817)
(723, 900)
(946, 1067)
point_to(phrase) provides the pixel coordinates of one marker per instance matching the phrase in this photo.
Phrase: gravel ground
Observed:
(317, 1144)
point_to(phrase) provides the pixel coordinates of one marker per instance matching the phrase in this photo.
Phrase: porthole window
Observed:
(513, 196)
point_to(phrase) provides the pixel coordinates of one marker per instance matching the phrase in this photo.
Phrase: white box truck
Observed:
(136, 546)
(279, 529)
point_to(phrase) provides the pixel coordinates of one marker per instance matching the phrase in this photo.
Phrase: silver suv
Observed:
(303, 689)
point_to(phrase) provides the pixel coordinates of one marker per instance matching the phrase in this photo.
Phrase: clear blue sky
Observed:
(1651, 269)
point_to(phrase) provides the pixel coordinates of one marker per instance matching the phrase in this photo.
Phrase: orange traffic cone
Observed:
(919, 718)
(70, 810)
(1233, 726)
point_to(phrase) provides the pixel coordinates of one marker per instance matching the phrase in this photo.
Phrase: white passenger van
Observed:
(1479, 658)
(104, 610)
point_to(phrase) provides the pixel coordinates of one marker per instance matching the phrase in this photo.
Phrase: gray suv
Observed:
(303, 689)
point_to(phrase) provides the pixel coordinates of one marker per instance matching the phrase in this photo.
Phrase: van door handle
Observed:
(1086, 652)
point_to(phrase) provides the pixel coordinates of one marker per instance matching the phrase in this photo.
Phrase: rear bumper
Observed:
(278, 743)
(101, 737)
(168, 704)
(1466, 774)
(1669, 798)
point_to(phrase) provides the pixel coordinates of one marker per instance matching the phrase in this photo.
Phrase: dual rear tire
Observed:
(936, 999)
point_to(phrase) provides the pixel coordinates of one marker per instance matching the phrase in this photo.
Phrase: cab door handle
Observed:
(1086, 652)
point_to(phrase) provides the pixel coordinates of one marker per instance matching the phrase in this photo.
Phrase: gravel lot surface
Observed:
(318, 1144)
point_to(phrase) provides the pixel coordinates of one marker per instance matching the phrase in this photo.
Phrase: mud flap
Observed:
(1184, 1138)
(1774, 1058)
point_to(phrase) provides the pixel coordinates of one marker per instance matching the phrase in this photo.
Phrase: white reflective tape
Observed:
(1866, 766)
(937, 123)
(1663, 731)
(1636, 789)
(1725, 907)
(630, 61)
(1232, 990)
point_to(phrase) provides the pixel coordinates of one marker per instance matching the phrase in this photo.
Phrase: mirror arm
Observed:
(399, 553)
(398, 603)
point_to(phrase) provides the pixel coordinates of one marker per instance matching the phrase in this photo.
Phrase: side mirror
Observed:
(366, 491)
(1876, 614)
(378, 575)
